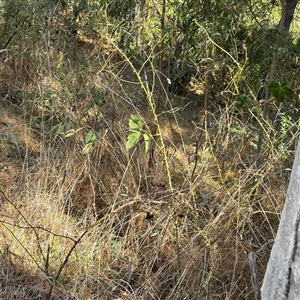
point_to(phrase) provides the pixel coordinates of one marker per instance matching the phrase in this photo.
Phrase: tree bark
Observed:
(289, 13)
(282, 277)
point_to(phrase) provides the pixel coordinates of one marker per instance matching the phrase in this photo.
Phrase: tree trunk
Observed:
(282, 277)
(289, 13)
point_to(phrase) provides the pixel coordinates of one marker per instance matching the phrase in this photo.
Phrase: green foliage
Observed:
(136, 128)
(63, 127)
(280, 91)
(135, 124)
(246, 132)
(89, 141)
(147, 139)
(132, 140)
(119, 8)
(242, 101)
(97, 97)
(287, 123)
(98, 101)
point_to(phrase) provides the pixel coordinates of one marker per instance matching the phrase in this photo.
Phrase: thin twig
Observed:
(254, 276)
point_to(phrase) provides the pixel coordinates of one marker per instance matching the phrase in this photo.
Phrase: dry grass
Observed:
(101, 222)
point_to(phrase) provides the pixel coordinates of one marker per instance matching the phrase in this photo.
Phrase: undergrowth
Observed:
(82, 217)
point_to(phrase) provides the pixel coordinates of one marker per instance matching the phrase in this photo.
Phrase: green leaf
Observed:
(132, 140)
(280, 91)
(242, 101)
(91, 137)
(258, 109)
(55, 128)
(147, 139)
(71, 132)
(98, 101)
(67, 124)
(135, 124)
